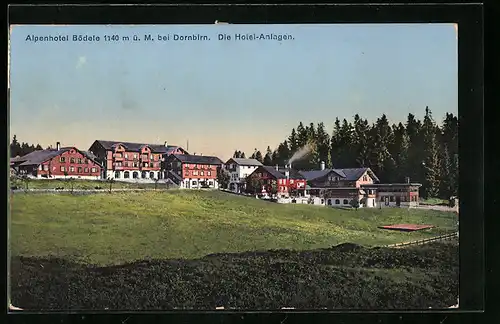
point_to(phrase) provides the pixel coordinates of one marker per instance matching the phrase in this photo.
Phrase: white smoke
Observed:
(301, 153)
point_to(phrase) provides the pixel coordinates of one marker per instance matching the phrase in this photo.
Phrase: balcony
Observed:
(118, 157)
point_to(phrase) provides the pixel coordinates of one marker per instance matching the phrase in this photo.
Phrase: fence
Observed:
(425, 241)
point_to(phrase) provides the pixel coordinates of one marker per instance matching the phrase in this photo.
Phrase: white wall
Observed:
(74, 177)
(240, 174)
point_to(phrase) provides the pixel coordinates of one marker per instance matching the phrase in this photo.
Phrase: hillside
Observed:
(124, 227)
(341, 277)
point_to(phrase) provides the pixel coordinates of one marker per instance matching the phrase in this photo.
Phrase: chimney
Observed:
(407, 179)
(277, 167)
(287, 174)
(58, 146)
(165, 144)
(322, 165)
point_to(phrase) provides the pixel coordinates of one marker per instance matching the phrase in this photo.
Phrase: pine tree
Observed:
(258, 156)
(293, 141)
(38, 147)
(236, 154)
(445, 190)
(416, 149)
(322, 145)
(284, 153)
(431, 161)
(400, 152)
(301, 136)
(242, 155)
(15, 147)
(346, 155)
(275, 157)
(268, 158)
(335, 149)
(361, 144)
(381, 139)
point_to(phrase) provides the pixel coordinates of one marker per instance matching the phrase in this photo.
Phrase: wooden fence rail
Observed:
(425, 241)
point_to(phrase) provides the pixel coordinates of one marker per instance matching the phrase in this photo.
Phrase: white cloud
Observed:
(81, 62)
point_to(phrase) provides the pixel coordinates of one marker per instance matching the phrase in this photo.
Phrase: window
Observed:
(126, 174)
(126, 164)
(152, 175)
(135, 156)
(201, 173)
(151, 157)
(151, 165)
(337, 201)
(210, 183)
(391, 199)
(135, 175)
(93, 170)
(62, 159)
(72, 160)
(79, 169)
(194, 183)
(209, 173)
(79, 161)
(187, 173)
(136, 165)
(85, 161)
(126, 156)
(329, 202)
(117, 175)
(291, 181)
(345, 202)
(46, 167)
(72, 169)
(86, 170)
(143, 174)
(195, 172)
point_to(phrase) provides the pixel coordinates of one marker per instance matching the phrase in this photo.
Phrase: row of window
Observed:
(403, 198)
(62, 159)
(152, 157)
(72, 169)
(136, 164)
(197, 166)
(337, 202)
(135, 175)
(201, 173)
(195, 183)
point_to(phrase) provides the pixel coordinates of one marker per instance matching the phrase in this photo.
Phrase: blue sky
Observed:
(224, 95)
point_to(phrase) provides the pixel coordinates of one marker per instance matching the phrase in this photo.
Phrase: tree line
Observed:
(421, 150)
(20, 149)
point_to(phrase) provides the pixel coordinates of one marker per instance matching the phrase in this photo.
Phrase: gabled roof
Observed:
(156, 148)
(249, 162)
(198, 159)
(280, 173)
(40, 156)
(352, 174)
(294, 174)
(272, 171)
(316, 174)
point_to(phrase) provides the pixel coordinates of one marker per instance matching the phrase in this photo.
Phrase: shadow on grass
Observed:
(346, 276)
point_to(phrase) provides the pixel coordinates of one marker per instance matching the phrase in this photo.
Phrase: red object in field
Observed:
(406, 227)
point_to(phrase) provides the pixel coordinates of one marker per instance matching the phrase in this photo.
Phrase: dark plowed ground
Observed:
(345, 276)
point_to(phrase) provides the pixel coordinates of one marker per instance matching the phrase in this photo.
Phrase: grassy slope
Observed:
(123, 227)
(80, 184)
